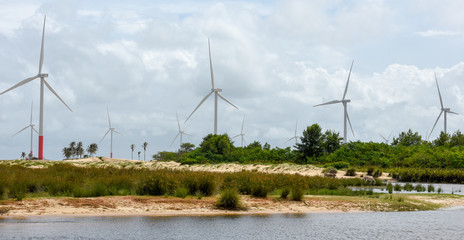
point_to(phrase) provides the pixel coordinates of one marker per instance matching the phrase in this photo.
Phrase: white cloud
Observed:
(434, 33)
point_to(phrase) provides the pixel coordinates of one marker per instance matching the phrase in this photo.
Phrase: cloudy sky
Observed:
(146, 60)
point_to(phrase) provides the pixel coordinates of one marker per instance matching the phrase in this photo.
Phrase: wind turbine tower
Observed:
(294, 137)
(111, 129)
(242, 135)
(43, 82)
(180, 133)
(217, 93)
(443, 109)
(32, 130)
(345, 102)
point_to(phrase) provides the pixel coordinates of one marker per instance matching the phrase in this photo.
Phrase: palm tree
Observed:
(23, 155)
(72, 148)
(67, 152)
(132, 146)
(139, 155)
(79, 149)
(92, 149)
(144, 146)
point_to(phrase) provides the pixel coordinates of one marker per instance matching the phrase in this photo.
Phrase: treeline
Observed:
(407, 150)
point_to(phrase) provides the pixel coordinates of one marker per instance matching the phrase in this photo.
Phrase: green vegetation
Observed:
(62, 179)
(409, 157)
(229, 199)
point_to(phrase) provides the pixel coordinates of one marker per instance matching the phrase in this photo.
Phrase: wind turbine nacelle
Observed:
(347, 100)
(446, 109)
(217, 90)
(43, 75)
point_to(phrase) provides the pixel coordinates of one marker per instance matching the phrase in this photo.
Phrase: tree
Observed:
(442, 140)
(23, 155)
(311, 142)
(331, 141)
(217, 144)
(457, 139)
(79, 149)
(408, 139)
(92, 149)
(72, 148)
(254, 144)
(67, 152)
(267, 146)
(139, 155)
(132, 146)
(144, 146)
(186, 147)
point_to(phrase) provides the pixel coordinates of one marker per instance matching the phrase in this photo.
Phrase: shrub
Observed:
(430, 188)
(181, 192)
(420, 188)
(390, 188)
(397, 188)
(351, 172)
(439, 190)
(408, 187)
(229, 199)
(297, 194)
(155, 186)
(340, 165)
(330, 170)
(259, 189)
(285, 193)
(377, 173)
(207, 185)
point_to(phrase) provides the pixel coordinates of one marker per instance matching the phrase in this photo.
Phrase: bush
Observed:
(420, 188)
(154, 186)
(229, 199)
(285, 193)
(340, 165)
(181, 192)
(370, 171)
(297, 194)
(207, 185)
(377, 173)
(408, 187)
(430, 188)
(351, 172)
(259, 189)
(397, 188)
(330, 170)
(390, 188)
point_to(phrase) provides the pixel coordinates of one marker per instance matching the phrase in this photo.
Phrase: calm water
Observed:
(442, 224)
(445, 187)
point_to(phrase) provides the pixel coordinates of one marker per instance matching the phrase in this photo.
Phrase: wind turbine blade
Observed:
(42, 47)
(187, 134)
(105, 135)
(178, 124)
(244, 142)
(435, 123)
(348, 117)
(21, 130)
(237, 135)
(223, 98)
(117, 132)
(383, 137)
(211, 66)
(56, 94)
(347, 81)
(20, 84)
(327, 103)
(439, 94)
(453, 112)
(35, 130)
(203, 100)
(174, 139)
(109, 120)
(390, 134)
(290, 139)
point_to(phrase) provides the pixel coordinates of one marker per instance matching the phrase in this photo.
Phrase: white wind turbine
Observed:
(216, 92)
(443, 109)
(181, 132)
(345, 105)
(43, 82)
(387, 140)
(242, 135)
(111, 129)
(295, 137)
(32, 130)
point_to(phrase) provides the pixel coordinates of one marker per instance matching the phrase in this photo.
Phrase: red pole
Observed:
(41, 147)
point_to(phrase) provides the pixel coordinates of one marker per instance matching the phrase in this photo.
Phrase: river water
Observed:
(441, 224)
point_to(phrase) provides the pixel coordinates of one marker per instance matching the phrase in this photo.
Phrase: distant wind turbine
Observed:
(294, 137)
(345, 105)
(242, 135)
(43, 82)
(387, 140)
(216, 92)
(111, 129)
(32, 130)
(181, 132)
(443, 109)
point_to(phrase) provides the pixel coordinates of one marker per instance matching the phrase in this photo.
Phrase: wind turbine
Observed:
(111, 129)
(181, 132)
(387, 140)
(294, 137)
(32, 130)
(443, 109)
(345, 105)
(241, 133)
(43, 82)
(216, 92)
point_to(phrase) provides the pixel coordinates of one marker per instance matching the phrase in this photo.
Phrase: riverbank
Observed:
(191, 206)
